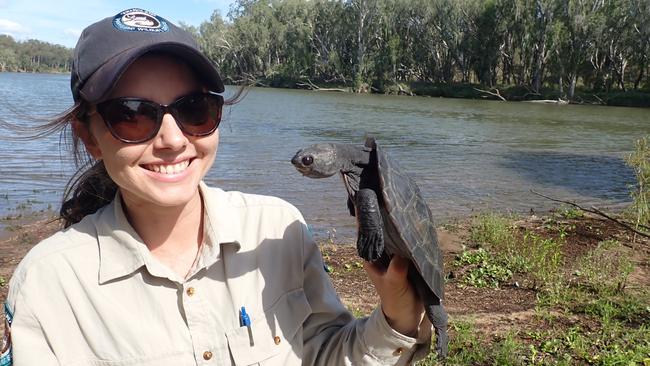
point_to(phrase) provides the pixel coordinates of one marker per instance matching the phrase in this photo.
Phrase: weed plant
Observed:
(605, 269)
(586, 314)
(509, 251)
(484, 269)
(639, 161)
(467, 346)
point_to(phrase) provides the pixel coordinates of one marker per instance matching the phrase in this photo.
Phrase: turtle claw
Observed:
(370, 245)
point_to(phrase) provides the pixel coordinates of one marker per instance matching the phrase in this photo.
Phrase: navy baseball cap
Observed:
(106, 49)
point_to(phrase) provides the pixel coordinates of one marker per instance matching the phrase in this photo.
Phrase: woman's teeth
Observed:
(169, 169)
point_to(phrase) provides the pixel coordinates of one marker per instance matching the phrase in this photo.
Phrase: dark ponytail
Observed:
(90, 188)
(87, 191)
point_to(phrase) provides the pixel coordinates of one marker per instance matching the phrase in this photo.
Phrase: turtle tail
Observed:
(435, 312)
(438, 317)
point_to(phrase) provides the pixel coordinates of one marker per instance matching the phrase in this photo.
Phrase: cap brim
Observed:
(102, 81)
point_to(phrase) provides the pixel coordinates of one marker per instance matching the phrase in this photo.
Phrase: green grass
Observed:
(357, 312)
(510, 251)
(467, 346)
(639, 161)
(586, 314)
(613, 344)
(605, 269)
(570, 212)
(484, 269)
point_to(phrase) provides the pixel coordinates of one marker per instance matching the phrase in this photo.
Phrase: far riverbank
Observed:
(615, 98)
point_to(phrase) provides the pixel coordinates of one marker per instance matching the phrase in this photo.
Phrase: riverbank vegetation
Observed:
(33, 56)
(565, 289)
(512, 49)
(553, 50)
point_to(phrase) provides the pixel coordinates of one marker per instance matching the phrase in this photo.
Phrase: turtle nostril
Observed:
(307, 160)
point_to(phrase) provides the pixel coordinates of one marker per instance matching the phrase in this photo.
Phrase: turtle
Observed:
(392, 216)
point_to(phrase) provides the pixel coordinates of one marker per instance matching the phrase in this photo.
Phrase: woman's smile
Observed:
(168, 168)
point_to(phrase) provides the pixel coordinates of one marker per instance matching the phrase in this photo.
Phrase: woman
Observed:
(156, 268)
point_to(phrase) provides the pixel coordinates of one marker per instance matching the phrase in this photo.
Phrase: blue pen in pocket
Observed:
(245, 321)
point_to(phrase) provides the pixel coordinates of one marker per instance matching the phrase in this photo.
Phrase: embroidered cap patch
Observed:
(138, 20)
(5, 345)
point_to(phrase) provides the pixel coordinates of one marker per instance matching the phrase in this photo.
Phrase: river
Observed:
(468, 156)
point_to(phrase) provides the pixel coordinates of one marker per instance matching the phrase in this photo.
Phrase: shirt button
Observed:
(207, 355)
(190, 291)
(276, 339)
(398, 351)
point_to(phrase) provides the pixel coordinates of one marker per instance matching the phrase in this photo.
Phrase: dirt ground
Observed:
(495, 310)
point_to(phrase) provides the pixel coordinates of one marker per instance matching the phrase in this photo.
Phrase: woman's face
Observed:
(166, 170)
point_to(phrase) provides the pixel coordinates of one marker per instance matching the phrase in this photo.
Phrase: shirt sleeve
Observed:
(29, 343)
(332, 336)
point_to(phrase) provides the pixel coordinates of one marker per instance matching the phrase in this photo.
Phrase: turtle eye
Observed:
(307, 160)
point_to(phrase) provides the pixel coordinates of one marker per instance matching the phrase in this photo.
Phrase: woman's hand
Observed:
(399, 302)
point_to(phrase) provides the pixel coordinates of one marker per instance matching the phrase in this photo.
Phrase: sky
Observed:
(61, 21)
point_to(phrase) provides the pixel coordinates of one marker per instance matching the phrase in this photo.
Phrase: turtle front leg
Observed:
(370, 231)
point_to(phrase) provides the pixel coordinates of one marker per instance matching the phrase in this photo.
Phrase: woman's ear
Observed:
(82, 130)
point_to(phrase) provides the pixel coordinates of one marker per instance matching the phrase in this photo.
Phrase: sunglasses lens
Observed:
(199, 114)
(130, 120)
(134, 120)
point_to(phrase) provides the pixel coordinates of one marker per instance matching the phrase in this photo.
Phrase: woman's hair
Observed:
(90, 187)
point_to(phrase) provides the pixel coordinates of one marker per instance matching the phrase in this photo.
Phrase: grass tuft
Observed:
(639, 161)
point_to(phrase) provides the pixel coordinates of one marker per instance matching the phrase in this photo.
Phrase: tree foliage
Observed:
(600, 45)
(560, 45)
(33, 56)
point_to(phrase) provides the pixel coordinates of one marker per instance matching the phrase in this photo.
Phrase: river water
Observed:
(467, 156)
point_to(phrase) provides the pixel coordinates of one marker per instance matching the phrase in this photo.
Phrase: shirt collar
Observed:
(222, 223)
(122, 251)
(120, 247)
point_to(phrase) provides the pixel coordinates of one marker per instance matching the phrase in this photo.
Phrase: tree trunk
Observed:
(572, 85)
(640, 76)
(361, 47)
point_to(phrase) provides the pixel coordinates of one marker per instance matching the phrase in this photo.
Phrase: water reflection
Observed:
(598, 176)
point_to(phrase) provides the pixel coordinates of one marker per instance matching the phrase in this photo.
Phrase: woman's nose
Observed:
(170, 135)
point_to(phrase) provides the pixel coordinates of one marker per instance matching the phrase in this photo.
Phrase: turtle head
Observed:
(318, 161)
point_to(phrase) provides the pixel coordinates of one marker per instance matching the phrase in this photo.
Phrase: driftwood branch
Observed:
(311, 86)
(497, 94)
(598, 212)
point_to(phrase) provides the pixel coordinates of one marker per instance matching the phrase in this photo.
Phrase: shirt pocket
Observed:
(275, 334)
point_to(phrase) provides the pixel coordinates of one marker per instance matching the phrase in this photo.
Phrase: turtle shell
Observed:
(408, 223)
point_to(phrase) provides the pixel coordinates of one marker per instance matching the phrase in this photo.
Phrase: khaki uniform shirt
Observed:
(93, 294)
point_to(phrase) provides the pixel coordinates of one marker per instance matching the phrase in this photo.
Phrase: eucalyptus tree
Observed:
(487, 37)
(8, 56)
(573, 29)
(331, 42)
(292, 29)
(636, 38)
(366, 14)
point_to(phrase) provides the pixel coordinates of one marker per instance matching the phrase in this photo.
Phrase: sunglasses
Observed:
(134, 120)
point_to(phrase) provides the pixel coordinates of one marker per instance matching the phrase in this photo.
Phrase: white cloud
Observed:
(72, 32)
(11, 27)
